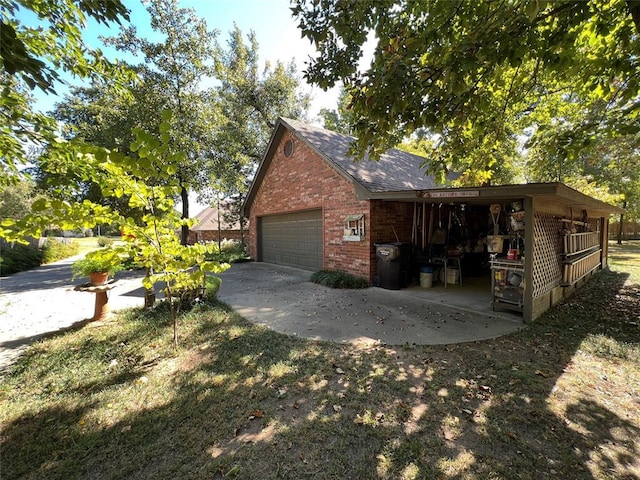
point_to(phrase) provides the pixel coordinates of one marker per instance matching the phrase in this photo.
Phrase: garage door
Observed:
(293, 239)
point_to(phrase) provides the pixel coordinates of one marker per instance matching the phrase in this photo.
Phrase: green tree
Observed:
(250, 102)
(474, 73)
(16, 199)
(34, 57)
(149, 182)
(341, 119)
(104, 116)
(172, 75)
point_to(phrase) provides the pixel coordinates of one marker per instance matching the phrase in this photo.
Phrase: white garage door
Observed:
(292, 239)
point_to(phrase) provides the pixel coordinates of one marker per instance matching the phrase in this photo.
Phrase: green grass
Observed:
(626, 258)
(18, 258)
(559, 399)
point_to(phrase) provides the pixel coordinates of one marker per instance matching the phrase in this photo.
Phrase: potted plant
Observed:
(97, 266)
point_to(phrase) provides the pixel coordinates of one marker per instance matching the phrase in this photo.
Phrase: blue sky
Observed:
(271, 20)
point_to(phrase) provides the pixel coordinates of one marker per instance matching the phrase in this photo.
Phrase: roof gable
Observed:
(208, 219)
(395, 171)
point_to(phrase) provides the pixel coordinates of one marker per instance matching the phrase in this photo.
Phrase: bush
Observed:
(230, 251)
(18, 258)
(104, 241)
(54, 250)
(336, 279)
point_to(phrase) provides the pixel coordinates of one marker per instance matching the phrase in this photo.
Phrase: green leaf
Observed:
(39, 205)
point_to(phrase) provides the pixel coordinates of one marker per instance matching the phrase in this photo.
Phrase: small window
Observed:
(288, 148)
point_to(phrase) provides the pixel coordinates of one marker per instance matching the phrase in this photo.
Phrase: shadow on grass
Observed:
(240, 401)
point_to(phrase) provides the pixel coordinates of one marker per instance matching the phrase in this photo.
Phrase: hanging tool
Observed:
(495, 210)
(439, 235)
(414, 228)
(423, 244)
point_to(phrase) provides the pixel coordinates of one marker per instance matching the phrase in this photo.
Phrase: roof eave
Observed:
(263, 166)
(570, 196)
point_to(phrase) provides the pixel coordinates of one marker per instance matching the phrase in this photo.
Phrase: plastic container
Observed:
(426, 279)
(393, 262)
(453, 275)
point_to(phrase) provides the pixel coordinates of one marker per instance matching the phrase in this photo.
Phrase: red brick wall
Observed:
(389, 219)
(305, 181)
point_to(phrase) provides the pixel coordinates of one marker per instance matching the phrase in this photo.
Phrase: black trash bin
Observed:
(393, 262)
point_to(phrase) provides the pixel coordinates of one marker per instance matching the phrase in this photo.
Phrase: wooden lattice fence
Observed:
(547, 253)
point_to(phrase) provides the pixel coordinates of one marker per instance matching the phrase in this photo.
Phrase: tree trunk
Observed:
(149, 293)
(634, 10)
(184, 195)
(219, 227)
(621, 224)
(242, 231)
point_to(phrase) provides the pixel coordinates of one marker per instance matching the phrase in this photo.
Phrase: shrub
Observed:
(18, 258)
(337, 279)
(104, 241)
(54, 250)
(212, 286)
(230, 251)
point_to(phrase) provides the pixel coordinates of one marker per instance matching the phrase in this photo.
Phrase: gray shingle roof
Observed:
(395, 171)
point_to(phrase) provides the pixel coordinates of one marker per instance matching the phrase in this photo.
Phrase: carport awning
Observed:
(555, 193)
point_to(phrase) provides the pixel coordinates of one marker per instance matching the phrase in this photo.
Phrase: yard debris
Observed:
(337, 408)
(256, 414)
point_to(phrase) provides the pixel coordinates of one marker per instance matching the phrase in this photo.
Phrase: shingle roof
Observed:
(395, 171)
(208, 220)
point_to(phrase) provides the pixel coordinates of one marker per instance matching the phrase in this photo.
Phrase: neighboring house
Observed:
(214, 226)
(312, 207)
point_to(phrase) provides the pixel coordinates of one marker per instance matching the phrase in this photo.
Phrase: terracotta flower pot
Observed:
(98, 278)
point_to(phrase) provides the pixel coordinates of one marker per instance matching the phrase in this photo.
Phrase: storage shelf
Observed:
(504, 293)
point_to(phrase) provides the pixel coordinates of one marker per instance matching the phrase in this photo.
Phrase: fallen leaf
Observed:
(337, 408)
(542, 374)
(339, 371)
(467, 411)
(256, 414)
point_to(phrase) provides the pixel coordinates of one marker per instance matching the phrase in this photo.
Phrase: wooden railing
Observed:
(576, 268)
(575, 243)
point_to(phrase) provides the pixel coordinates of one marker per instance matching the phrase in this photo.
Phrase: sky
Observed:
(271, 20)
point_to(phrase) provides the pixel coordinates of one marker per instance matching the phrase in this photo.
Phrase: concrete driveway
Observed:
(41, 301)
(284, 300)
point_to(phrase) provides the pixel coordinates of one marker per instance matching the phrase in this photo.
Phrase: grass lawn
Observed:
(88, 244)
(557, 400)
(626, 258)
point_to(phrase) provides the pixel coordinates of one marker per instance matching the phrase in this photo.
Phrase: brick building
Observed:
(214, 225)
(312, 207)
